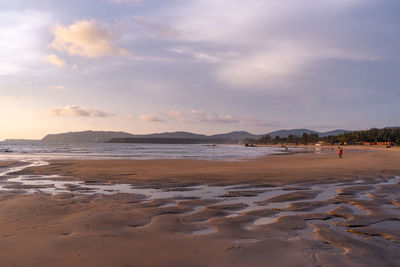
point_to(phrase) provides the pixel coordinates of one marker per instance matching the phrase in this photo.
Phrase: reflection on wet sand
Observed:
(286, 200)
(342, 218)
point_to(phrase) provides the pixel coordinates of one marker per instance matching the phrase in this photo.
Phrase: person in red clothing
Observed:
(340, 152)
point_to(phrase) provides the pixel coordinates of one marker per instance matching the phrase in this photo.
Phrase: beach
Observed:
(199, 133)
(300, 209)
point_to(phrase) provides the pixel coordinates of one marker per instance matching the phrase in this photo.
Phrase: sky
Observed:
(204, 66)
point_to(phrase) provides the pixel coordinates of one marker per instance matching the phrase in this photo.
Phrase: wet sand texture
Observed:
(298, 210)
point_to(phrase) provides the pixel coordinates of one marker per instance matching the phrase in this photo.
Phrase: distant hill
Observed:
(300, 132)
(121, 137)
(85, 137)
(187, 138)
(101, 136)
(334, 133)
(9, 141)
(286, 133)
(235, 136)
(164, 140)
(172, 135)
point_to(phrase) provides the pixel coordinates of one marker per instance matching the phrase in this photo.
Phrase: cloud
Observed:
(242, 22)
(192, 117)
(161, 29)
(77, 111)
(86, 39)
(176, 114)
(150, 118)
(252, 121)
(21, 35)
(204, 117)
(278, 40)
(279, 61)
(199, 116)
(54, 60)
(200, 56)
(58, 87)
(257, 68)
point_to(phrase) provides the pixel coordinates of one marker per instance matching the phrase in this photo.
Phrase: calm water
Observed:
(136, 151)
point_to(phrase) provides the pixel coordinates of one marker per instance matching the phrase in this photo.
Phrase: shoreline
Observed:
(281, 168)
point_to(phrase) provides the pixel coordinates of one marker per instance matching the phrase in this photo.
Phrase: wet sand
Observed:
(278, 169)
(311, 209)
(7, 163)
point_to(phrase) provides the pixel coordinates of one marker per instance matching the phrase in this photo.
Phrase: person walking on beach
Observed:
(340, 152)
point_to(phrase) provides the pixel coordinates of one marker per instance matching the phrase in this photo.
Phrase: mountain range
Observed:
(85, 137)
(300, 132)
(233, 137)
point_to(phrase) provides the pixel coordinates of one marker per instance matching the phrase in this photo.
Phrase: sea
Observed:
(48, 151)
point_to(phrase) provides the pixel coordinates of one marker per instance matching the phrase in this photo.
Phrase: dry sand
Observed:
(125, 230)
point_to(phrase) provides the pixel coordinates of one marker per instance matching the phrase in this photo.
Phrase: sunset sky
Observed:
(205, 66)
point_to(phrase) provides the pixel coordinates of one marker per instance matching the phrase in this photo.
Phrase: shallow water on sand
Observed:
(254, 198)
(53, 184)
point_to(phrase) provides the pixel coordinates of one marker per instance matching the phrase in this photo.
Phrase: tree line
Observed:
(374, 135)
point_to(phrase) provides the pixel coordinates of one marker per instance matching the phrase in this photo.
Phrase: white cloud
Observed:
(260, 41)
(176, 114)
(204, 117)
(280, 61)
(74, 110)
(150, 118)
(192, 117)
(54, 60)
(201, 56)
(86, 39)
(21, 35)
(263, 66)
(58, 87)
(242, 22)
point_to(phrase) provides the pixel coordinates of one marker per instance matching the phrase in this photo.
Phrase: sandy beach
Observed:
(305, 210)
(199, 133)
